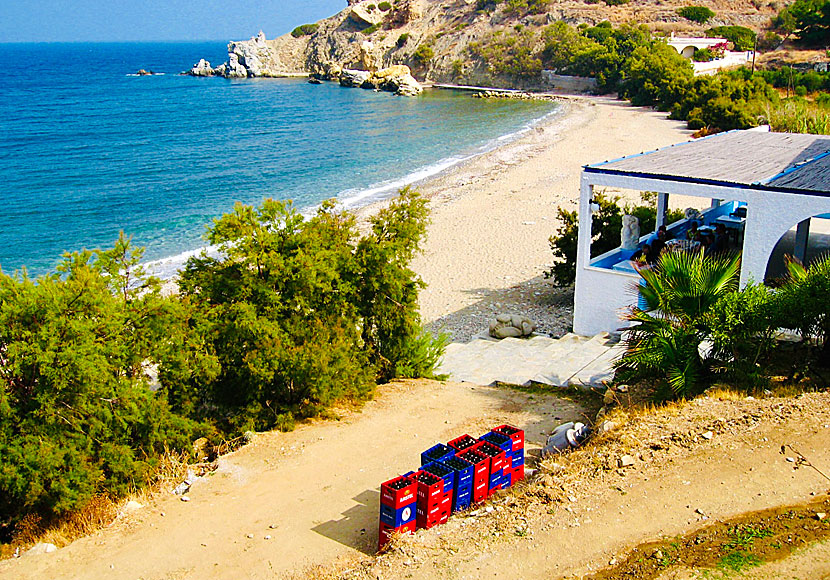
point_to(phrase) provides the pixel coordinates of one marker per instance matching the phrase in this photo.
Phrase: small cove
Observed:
(89, 149)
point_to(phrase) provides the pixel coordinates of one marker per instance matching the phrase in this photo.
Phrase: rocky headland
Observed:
(445, 41)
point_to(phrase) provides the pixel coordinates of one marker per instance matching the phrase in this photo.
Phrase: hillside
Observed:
(438, 39)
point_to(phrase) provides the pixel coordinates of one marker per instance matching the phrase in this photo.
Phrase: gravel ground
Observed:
(549, 307)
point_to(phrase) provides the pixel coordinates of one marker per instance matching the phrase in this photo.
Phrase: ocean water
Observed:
(88, 149)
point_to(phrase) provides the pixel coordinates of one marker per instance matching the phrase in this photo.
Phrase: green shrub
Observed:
(371, 29)
(510, 54)
(799, 117)
(680, 292)
(742, 38)
(741, 326)
(699, 14)
(616, 2)
(423, 54)
(402, 39)
(385, 6)
(371, 8)
(300, 314)
(703, 55)
(304, 30)
(802, 301)
(78, 417)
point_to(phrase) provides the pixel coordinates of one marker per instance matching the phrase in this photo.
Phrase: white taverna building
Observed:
(760, 186)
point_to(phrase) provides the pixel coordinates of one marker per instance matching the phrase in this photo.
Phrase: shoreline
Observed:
(491, 213)
(367, 201)
(487, 245)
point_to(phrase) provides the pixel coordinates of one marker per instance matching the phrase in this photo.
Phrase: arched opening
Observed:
(688, 52)
(807, 241)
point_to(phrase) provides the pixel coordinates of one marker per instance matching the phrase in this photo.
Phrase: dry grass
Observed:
(100, 512)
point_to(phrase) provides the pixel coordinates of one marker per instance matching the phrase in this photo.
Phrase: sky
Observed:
(154, 20)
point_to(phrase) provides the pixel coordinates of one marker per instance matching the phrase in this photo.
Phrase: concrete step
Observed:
(568, 360)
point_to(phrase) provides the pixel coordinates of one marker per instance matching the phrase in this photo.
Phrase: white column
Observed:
(582, 293)
(662, 209)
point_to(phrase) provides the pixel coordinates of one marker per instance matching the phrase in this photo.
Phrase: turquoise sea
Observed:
(88, 149)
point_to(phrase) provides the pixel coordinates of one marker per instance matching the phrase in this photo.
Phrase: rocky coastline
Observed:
(256, 58)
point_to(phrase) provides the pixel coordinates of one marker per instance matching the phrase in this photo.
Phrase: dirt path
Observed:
(681, 481)
(313, 491)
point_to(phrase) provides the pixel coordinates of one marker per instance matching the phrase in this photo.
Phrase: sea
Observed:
(89, 149)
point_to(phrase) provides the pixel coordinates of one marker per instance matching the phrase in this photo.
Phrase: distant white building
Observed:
(686, 47)
(761, 185)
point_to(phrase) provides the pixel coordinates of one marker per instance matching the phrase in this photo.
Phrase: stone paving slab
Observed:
(559, 362)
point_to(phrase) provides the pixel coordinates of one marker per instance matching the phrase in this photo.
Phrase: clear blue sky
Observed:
(137, 20)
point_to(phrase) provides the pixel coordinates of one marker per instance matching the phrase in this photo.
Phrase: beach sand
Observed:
(487, 244)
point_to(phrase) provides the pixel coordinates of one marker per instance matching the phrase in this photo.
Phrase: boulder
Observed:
(361, 14)
(234, 69)
(353, 78)
(202, 69)
(511, 325)
(396, 79)
(41, 548)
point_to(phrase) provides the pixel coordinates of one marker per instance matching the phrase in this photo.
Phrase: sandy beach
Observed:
(487, 245)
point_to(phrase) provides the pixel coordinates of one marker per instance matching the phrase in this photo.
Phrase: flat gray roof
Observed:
(787, 162)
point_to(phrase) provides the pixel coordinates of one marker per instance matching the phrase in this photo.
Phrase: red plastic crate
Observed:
(480, 491)
(427, 522)
(398, 492)
(496, 454)
(462, 443)
(480, 461)
(517, 436)
(517, 474)
(430, 487)
(385, 532)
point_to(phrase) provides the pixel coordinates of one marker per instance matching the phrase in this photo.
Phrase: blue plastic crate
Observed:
(499, 440)
(438, 469)
(437, 453)
(397, 517)
(518, 458)
(464, 470)
(462, 503)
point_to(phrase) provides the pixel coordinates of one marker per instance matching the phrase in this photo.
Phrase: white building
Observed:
(761, 185)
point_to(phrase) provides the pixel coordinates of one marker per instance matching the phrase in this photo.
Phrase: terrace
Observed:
(767, 189)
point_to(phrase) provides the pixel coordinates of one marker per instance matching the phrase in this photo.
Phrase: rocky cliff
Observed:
(438, 39)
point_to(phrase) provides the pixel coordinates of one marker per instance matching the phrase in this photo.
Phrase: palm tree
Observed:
(667, 334)
(804, 299)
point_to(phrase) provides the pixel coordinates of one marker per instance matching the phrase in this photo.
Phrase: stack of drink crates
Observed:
(452, 477)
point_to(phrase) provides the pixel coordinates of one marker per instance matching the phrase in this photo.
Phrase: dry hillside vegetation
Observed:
(435, 37)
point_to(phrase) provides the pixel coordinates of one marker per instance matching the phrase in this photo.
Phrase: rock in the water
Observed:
(202, 69)
(507, 325)
(41, 548)
(353, 78)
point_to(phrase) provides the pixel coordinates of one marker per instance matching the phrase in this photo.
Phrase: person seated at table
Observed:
(720, 242)
(691, 233)
(645, 255)
(658, 244)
